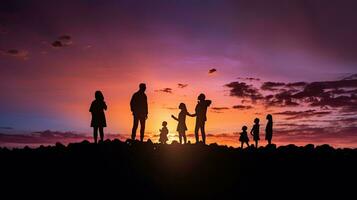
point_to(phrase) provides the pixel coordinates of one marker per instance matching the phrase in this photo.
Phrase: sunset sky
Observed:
(296, 60)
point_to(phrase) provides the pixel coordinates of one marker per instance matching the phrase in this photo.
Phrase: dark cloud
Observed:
(329, 93)
(296, 84)
(324, 94)
(171, 108)
(340, 94)
(248, 79)
(243, 90)
(219, 108)
(211, 71)
(271, 86)
(242, 107)
(342, 136)
(16, 53)
(166, 90)
(6, 128)
(351, 77)
(302, 114)
(182, 85)
(62, 41)
(282, 98)
(45, 138)
(57, 43)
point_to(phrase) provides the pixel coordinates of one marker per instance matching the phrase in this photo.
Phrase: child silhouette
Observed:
(98, 117)
(163, 133)
(244, 137)
(255, 132)
(181, 126)
(269, 129)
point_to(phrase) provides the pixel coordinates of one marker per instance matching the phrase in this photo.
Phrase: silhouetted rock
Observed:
(149, 142)
(175, 142)
(147, 170)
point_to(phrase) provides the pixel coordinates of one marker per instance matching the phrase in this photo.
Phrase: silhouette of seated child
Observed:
(244, 137)
(163, 133)
(255, 132)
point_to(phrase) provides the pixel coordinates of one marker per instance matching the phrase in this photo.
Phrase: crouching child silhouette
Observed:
(181, 126)
(98, 117)
(244, 137)
(163, 133)
(255, 132)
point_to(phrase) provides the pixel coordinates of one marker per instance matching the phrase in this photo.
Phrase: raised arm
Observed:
(175, 118)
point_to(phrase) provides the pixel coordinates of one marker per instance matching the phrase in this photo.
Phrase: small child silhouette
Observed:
(255, 132)
(244, 137)
(269, 129)
(163, 133)
(181, 126)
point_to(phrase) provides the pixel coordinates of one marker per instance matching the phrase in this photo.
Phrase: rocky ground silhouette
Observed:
(175, 171)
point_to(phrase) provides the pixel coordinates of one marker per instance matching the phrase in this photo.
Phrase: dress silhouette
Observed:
(255, 132)
(269, 129)
(163, 133)
(181, 126)
(201, 116)
(139, 108)
(244, 137)
(98, 121)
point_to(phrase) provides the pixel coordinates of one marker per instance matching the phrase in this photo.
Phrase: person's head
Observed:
(256, 120)
(182, 106)
(244, 128)
(164, 123)
(142, 87)
(201, 97)
(269, 117)
(99, 95)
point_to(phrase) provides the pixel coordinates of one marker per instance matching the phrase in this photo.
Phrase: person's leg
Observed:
(196, 132)
(135, 126)
(241, 145)
(95, 134)
(101, 133)
(142, 128)
(180, 137)
(184, 137)
(256, 143)
(247, 144)
(203, 132)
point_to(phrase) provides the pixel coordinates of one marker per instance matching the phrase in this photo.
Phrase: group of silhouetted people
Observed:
(244, 139)
(139, 108)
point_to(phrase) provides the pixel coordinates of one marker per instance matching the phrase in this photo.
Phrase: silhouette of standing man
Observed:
(139, 107)
(201, 118)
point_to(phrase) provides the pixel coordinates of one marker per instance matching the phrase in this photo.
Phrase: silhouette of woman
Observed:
(269, 129)
(244, 137)
(98, 117)
(163, 133)
(181, 126)
(201, 116)
(255, 132)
